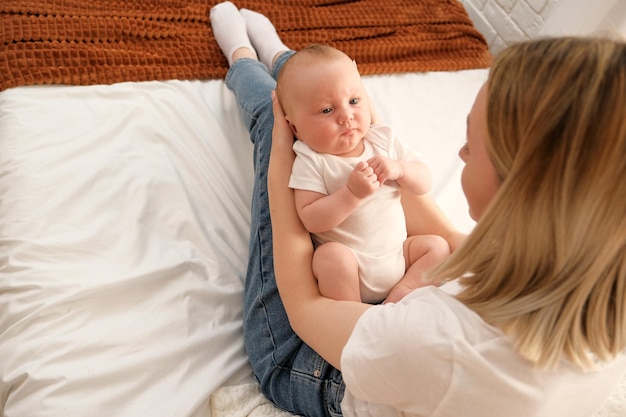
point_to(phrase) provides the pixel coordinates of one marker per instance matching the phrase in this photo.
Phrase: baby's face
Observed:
(327, 106)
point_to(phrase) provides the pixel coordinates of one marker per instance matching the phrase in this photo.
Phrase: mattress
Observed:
(124, 220)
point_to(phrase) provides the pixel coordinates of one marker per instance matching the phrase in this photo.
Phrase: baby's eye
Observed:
(355, 100)
(327, 110)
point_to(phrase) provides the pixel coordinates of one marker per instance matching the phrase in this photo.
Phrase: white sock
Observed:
(263, 36)
(229, 29)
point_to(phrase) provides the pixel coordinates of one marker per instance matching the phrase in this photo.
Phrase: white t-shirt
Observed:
(452, 364)
(376, 230)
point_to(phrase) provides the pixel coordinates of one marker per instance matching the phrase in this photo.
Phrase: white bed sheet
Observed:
(124, 218)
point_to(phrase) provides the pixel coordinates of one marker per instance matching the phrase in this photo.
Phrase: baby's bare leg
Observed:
(337, 272)
(421, 253)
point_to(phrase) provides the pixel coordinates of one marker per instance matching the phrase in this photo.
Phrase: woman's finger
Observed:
(281, 131)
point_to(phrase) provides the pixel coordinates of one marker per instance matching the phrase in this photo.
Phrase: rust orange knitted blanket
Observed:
(85, 42)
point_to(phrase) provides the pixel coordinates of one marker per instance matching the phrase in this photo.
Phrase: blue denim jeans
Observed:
(290, 373)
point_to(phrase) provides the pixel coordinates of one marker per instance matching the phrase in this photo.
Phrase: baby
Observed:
(347, 178)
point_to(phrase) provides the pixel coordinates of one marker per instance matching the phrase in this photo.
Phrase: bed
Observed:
(125, 187)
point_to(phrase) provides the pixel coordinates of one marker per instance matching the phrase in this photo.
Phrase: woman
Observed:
(539, 318)
(536, 315)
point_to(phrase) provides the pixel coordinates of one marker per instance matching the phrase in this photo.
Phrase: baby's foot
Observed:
(229, 29)
(263, 35)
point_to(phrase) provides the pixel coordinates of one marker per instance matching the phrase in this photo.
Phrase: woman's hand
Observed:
(322, 323)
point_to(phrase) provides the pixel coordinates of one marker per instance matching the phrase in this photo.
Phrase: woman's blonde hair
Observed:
(547, 261)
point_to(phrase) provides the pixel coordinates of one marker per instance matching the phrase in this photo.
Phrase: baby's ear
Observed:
(292, 126)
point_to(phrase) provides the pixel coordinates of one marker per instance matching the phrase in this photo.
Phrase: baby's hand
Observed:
(362, 181)
(385, 168)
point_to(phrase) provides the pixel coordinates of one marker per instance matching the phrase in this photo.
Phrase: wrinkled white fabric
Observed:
(124, 220)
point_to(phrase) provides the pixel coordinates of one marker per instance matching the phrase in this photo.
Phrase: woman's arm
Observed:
(322, 323)
(424, 217)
